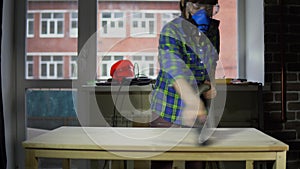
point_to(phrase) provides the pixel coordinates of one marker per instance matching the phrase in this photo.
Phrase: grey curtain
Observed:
(3, 158)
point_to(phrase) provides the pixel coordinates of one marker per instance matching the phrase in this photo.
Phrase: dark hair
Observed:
(182, 4)
(210, 2)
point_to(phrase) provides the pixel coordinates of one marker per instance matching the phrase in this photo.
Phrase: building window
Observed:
(144, 65)
(52, 24)
(168, 16)
(112, 24)
(29, 67)
(143, 24)
(74, 24)
(73, 67)
(106, 62)
(51, 67)
(30, 25)
(151, 70)
(104, 71)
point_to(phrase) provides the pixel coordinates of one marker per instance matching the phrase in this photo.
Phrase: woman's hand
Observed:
(192, 112)
(194, 106)
(212, 93)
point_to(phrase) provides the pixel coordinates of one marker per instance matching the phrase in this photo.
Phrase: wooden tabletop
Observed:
(154, 139)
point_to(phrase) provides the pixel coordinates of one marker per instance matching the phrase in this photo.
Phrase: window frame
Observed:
(170, 13)
(54, 20)
(30, 20)
(73, 65)
(127, 55)
(147, 21)
(73, 32)
(108, 63)
(51, 64)
(87, 8)
(144, 63)
(29, 63)
(116, 32)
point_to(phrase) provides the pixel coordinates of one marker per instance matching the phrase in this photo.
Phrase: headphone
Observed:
(182, 4)
(183, 8)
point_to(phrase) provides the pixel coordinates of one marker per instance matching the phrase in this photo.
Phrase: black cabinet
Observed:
(243, 105)
(239, 104)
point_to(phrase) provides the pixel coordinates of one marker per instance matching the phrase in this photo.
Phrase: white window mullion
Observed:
(55, 27)
(49, 76)
(48, 72)
(55, 74)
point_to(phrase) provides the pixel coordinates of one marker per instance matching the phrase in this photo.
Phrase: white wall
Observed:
(251, 40)
(255, 40)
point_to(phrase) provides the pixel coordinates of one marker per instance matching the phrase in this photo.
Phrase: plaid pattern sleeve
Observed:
(178, 57)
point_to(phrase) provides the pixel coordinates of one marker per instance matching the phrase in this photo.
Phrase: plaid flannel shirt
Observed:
(183, 53)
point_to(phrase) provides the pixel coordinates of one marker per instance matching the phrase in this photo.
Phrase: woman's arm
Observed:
(194, 107)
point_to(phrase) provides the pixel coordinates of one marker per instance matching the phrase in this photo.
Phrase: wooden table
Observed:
(226, 144)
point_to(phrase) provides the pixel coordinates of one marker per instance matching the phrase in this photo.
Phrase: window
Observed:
(73, 24)
(144, 65)
(104, 71)
(128, 30)
(52, 24)
(29, 67)
(30, 25)
(143, 24)
(112, 24)
(168, 16)
(51, 67)
(52, 41)
(46, 94)
(73, 67)
(106, 61)
(227, 64)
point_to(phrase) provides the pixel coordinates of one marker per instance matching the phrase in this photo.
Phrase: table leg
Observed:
(31, 162)
(280, 162)
(249, 164)
(66, 164)
(128, 164)
(94, 164)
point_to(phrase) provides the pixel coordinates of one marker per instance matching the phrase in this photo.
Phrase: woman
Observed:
(188, 55)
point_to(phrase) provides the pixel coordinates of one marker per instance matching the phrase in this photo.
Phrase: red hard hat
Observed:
(122, 69)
